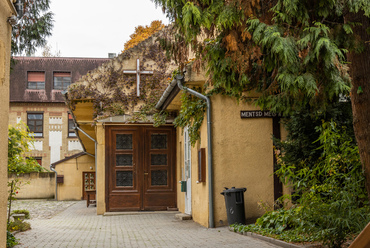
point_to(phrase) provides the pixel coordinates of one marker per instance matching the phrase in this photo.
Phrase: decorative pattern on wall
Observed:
(74, 145)
(37, 144)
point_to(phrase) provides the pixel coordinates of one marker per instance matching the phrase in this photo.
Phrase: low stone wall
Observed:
(35, 185)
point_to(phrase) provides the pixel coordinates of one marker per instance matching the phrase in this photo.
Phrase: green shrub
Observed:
(10, 240)
(22, 211)
(333, 195)
(18, 225)
(332, 203)
(279, 220)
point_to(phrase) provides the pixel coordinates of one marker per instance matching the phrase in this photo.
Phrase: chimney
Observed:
(112, 55)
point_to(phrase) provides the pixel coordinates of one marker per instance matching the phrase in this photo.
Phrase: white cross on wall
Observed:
(137, 72)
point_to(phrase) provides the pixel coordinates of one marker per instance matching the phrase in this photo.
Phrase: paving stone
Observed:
(74, 225)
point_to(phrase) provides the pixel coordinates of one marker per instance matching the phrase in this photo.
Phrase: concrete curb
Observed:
(271, 240)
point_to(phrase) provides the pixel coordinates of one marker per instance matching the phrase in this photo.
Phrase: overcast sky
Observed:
(94, 28)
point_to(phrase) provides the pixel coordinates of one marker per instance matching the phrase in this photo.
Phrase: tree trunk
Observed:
(360, 92)
(10, 200)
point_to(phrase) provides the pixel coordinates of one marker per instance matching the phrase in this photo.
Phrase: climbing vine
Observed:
(191, 115)
(113, 92)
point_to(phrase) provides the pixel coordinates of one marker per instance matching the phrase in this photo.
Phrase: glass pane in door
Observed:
(124, 178)
(158, 141)
(159, 177)
(124, 160)
(158, 159)
(124, 141)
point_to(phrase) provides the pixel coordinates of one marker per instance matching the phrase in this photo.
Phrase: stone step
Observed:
(183, 216)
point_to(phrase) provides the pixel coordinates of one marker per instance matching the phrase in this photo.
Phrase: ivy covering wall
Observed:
(114, 92)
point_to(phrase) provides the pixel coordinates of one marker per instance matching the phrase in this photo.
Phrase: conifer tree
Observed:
(297, 53)
(33, 25)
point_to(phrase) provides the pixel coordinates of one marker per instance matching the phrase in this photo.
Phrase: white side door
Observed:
(187, 163)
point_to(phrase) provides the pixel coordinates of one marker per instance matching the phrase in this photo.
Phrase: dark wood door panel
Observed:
(140, 168)
(160, 201)
(159, 185)
(126, 203)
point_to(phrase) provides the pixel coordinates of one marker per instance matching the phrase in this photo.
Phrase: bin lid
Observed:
(233, 189)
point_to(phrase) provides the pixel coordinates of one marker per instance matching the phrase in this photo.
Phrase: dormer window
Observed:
(36, 80)
(61, 80)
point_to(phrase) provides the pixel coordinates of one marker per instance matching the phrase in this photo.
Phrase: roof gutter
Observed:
(180, 80)
(166, 93)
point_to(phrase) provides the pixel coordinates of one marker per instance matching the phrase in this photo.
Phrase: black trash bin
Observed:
(234, 201)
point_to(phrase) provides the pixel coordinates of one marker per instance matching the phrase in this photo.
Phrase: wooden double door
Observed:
(140, 168)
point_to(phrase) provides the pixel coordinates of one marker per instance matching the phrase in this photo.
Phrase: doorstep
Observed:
(139, 213)
(183, 216)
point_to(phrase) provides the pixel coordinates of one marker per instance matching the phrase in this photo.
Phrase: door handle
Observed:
(146, 173)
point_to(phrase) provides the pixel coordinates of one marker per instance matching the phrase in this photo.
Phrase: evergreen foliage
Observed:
(293, 52)
(32, 27)
(300, 147)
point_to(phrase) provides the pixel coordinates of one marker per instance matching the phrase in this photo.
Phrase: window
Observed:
(71, 126)
(62, 80)
(36, 80)
(37, 159)
(35, 122)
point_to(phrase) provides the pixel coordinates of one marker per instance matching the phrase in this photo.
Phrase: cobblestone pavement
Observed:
(42, 209)
(78, 226)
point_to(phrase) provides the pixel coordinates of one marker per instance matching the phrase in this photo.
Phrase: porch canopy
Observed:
(83, 118)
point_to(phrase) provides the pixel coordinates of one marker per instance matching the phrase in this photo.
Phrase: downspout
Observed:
(56, 181)
(180, 80)
(82, 131)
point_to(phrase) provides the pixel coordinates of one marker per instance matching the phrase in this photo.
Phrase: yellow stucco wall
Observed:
(35, 185)
(199, 191)
(72, 169)
(199, 198)
(6, 10)
(242, 157)
(100, 169)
